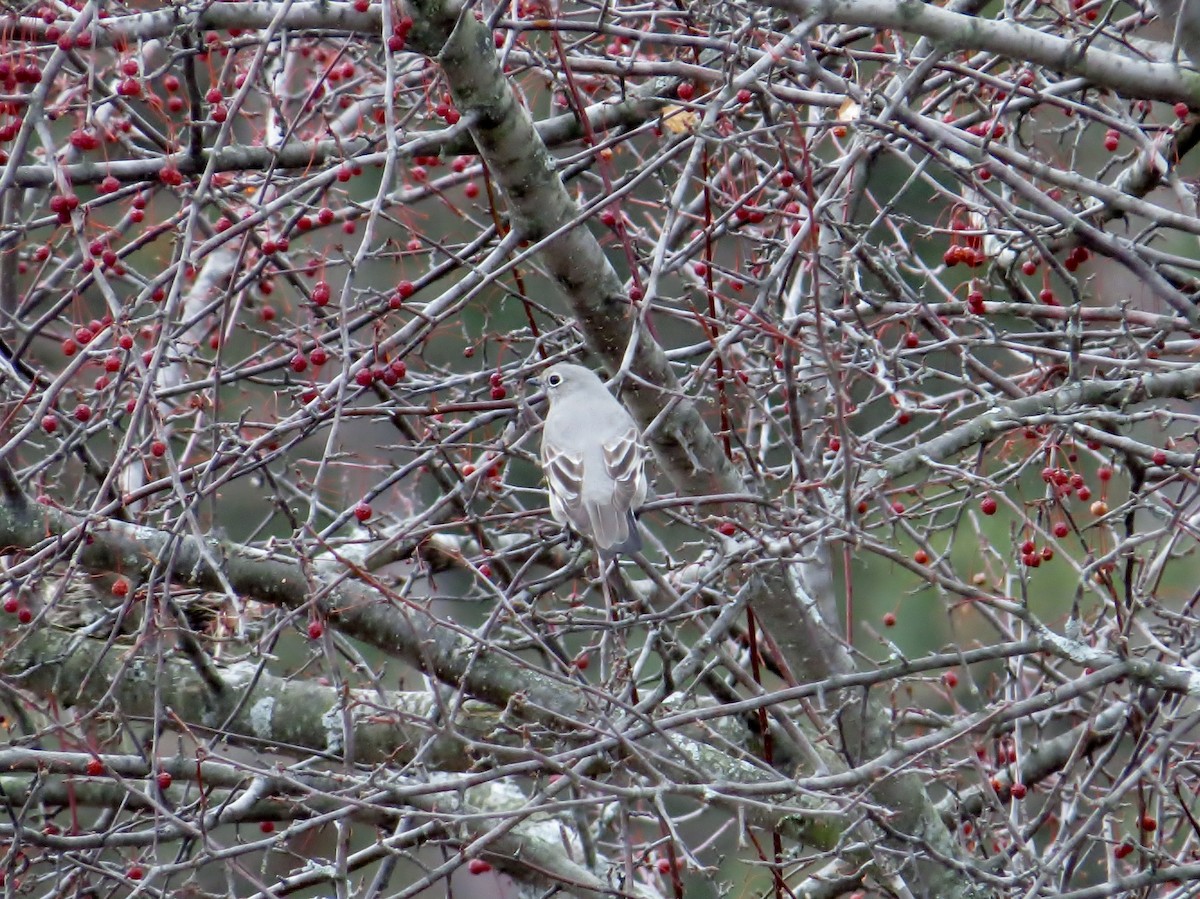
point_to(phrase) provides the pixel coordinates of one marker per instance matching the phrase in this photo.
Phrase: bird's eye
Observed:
(554, 380)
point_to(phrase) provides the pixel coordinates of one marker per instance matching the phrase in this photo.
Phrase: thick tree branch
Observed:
(955, 31)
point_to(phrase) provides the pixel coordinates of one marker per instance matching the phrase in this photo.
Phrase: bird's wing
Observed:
(564, 476)
(621, 488)
(626, 465)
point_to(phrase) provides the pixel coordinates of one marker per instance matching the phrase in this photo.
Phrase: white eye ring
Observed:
(554, 380)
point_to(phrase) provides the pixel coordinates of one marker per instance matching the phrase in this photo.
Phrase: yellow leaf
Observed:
(678, 120)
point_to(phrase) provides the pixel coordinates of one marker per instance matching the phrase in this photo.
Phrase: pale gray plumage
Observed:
(593, 460)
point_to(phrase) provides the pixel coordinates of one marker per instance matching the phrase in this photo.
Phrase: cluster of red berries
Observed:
(1066, 483)
(968, 256)
(399, 36)
(499, 391)
(1031, 557)
(1076, 258)
(13, 607)
(995, 130)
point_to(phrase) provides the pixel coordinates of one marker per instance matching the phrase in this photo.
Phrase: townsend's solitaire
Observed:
(593, 461)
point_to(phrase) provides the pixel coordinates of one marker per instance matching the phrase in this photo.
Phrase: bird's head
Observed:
(566, 378)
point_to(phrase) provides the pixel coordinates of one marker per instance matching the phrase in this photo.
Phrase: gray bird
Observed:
(593, 460)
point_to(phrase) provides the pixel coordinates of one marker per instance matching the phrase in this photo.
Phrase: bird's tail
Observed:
(613, 530)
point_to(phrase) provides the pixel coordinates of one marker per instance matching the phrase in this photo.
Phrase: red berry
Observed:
(950, 679)
(889, 619)
(1018, 791)
(1029, 267)
(362, 511)
(158, 449)
(471, 189)
(95, 767)
(1181, 110)
(363, 377)
(1125, 848)
(1061, 529)
(164, 780)
(321, 293)
(988, 505)
(136, 873)
(315, 630)
(1104, 473)
(318, 357)
(921, 557)
(686, 91)
(912, 340)
(299, 363)
(49, 424)
(1149, 824)
(1159, 458)
(727, 528)
(83, 412)
(744, 96)
(266, 826)
(478, 866)
(499, 393)
(898, 507)
(24, 615)
(69, 346)
(120, 587)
